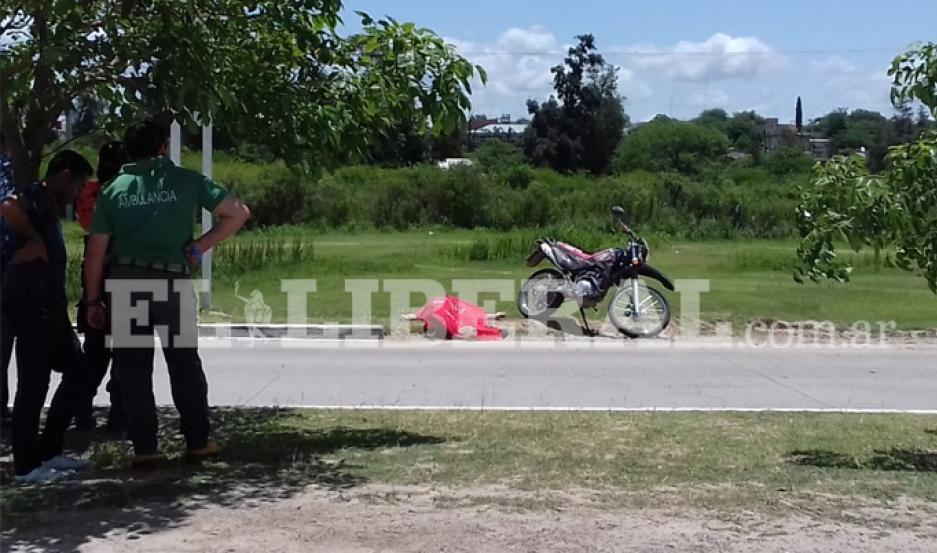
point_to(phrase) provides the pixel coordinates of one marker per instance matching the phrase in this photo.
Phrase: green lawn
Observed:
(723, 461)
(749, 280)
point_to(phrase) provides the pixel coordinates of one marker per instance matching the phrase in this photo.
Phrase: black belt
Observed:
(177, 268)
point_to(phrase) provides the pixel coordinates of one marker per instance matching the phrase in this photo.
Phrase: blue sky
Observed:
(679, 57)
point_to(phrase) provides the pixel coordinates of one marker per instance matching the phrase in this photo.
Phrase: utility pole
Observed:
(175, 154)
(69, 134)
(207, 151)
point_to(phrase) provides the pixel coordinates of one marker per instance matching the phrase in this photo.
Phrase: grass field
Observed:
(749, 280)
(720, 461)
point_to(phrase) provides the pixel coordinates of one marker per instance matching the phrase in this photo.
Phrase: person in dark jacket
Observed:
(35, 304)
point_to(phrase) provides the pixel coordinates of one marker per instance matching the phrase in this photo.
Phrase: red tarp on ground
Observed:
(461, 319)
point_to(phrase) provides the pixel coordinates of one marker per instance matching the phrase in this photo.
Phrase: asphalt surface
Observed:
(624, 375)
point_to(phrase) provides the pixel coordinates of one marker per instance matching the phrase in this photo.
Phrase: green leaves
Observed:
(669, 145)
(914, 76)
(896, 209)
(270, 72)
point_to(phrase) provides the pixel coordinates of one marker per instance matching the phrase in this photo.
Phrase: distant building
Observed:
(779, 135)
(483, 129)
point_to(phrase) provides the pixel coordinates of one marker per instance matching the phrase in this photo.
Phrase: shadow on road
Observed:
(264, 459)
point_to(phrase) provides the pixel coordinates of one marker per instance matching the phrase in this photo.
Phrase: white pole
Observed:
(175, 143)
(69, 132)
(206, 215)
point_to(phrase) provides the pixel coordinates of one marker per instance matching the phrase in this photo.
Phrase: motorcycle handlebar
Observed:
(625, 228)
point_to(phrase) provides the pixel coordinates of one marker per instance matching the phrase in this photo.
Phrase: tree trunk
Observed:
(26, 150)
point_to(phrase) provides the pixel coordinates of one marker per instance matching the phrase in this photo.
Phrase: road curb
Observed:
(294, 331)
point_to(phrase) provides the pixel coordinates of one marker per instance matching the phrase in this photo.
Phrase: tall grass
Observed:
(250, 253)
(515, 245)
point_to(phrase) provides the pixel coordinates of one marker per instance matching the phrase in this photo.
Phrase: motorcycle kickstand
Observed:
(585, 324)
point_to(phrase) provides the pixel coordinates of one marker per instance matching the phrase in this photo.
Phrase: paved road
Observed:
(574, 376)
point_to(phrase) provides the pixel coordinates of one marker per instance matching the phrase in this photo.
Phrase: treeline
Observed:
(583, 128)
(498, 193)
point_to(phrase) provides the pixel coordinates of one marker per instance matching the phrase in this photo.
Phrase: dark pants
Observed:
(98, 356)
(45, 342)
(133, 363)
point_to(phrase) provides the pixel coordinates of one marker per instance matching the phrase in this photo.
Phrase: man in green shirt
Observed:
(147, 216)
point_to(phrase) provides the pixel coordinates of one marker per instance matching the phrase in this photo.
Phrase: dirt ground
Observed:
(395, 519)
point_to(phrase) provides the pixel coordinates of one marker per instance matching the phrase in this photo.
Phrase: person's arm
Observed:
(95, 255)
(33, 247)
(231, 214)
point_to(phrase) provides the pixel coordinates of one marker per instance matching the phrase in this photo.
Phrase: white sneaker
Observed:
(64, 462)
(42, 474)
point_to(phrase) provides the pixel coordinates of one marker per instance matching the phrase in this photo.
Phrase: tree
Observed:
(745, 131)
(578, 128)
(279, 71)
(402, 145)
(716, 119)
(897, 208)
(799, 116)
(924, 121)
(851, 131)
(788, 160)
(902, 122)
(832, 124)
(669, 145)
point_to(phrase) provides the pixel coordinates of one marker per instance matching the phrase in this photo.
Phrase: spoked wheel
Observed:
(648, 319)
(542, 294)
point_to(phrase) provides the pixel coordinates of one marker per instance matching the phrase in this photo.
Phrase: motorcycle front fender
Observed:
(649, 271)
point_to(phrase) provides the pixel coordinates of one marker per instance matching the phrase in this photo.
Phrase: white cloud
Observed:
(831, 66)
(518, 64)
(516, 67)
(632, 88)
(707, 100)
(721, 56)
(861, 90)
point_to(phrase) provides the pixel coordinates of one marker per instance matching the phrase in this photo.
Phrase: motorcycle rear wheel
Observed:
(654, 313)
(541, 294)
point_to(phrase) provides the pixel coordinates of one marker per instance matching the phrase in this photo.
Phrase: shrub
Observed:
(279, 201)
(457, 197)
(518, 177)
(737, 199)
(534, 208)
(788, 161)
(497, 156)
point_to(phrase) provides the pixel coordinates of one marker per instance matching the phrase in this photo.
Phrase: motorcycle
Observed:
(636, 310)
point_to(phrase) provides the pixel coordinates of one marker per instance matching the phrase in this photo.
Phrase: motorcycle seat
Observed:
(573, 250)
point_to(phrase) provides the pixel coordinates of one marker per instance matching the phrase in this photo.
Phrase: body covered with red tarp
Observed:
(460, 319)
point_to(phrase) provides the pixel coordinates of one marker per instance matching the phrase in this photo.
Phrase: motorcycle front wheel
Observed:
(541, 294)
(647, 321)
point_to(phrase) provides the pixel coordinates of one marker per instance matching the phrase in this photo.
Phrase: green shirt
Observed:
(149, 210)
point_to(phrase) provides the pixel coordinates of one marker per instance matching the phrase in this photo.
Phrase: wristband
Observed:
(194, 251)
(91, 303)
